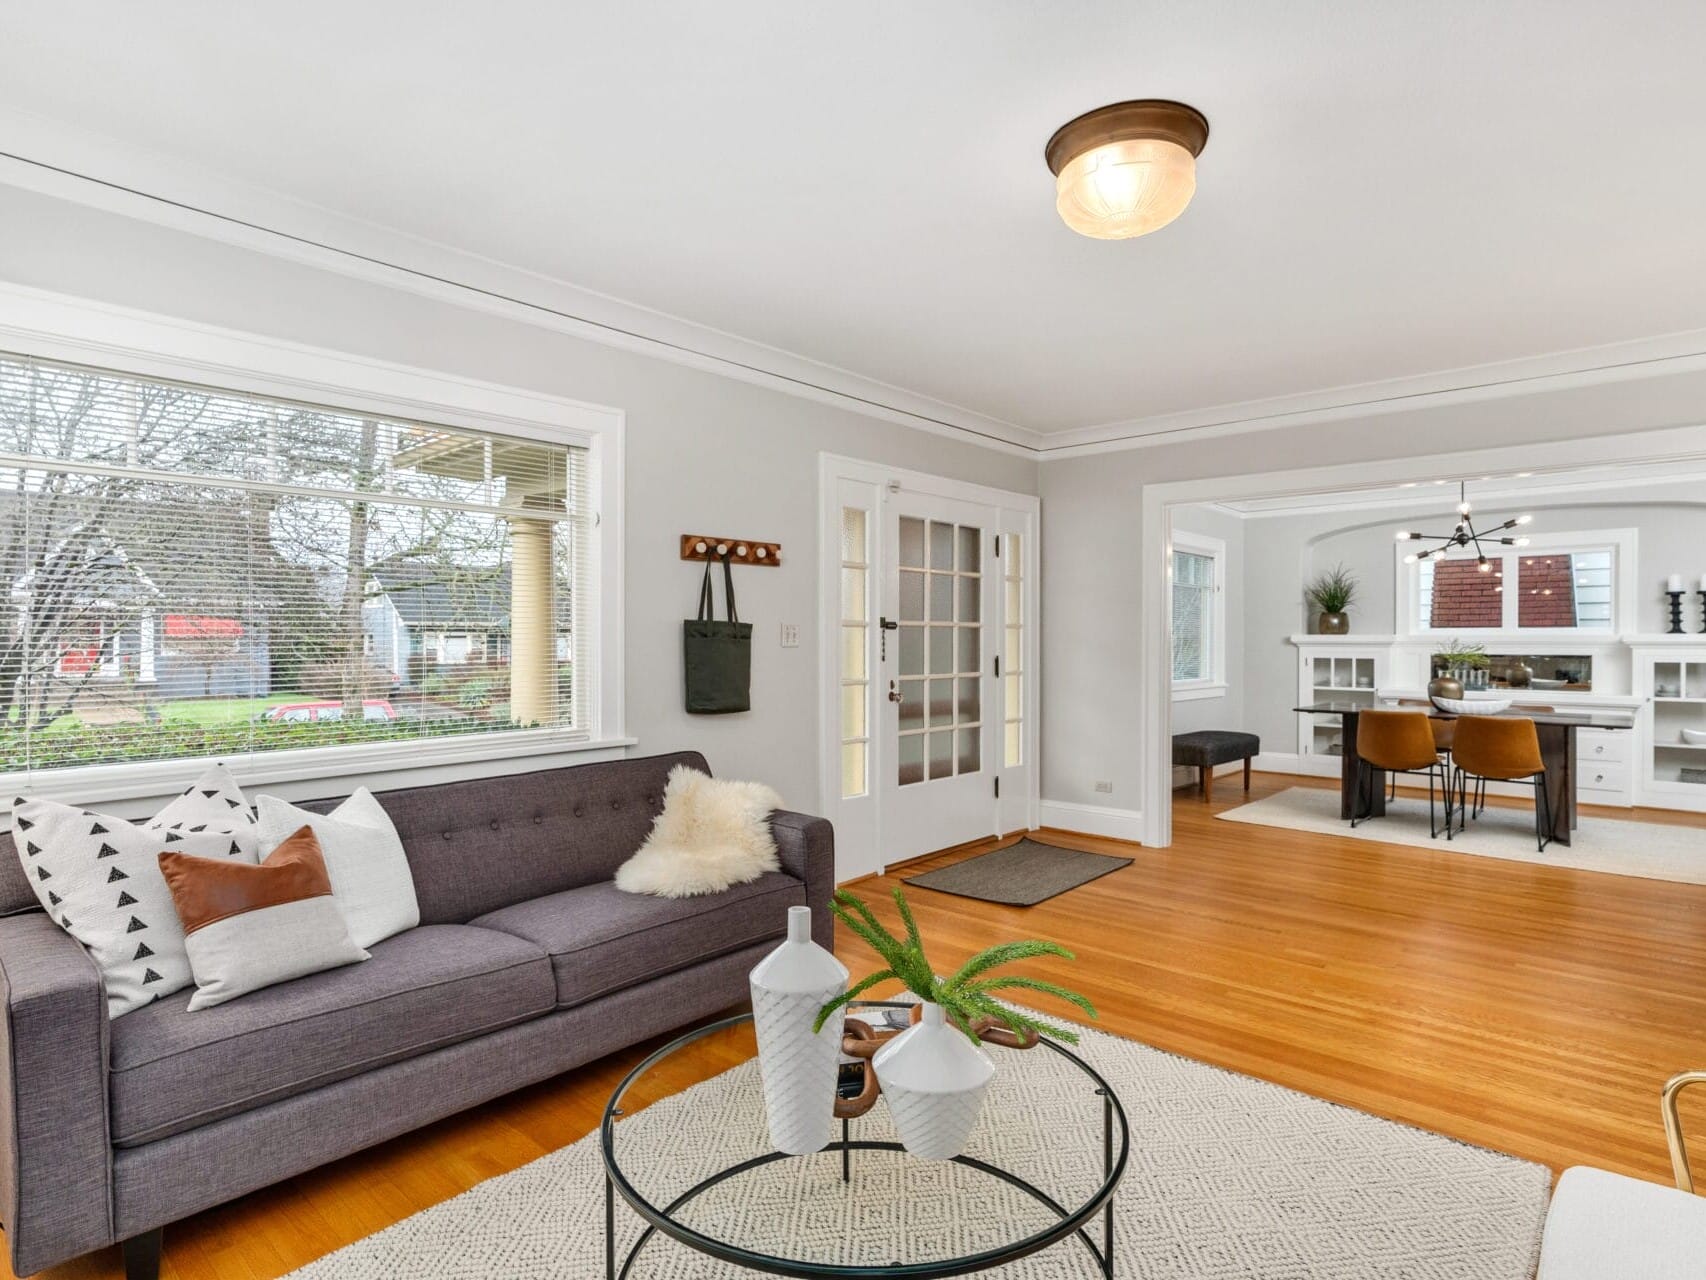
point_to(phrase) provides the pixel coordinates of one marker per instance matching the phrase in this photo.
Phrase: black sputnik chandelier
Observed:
(1465, 536)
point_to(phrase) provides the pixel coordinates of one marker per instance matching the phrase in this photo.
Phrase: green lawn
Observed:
(213, 711)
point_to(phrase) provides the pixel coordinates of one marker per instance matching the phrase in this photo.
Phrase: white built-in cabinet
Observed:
(1335, 672)
(1670, 679)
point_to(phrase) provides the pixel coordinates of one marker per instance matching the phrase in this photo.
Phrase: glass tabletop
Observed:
(690, 1170)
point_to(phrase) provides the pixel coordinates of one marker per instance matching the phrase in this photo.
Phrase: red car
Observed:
(325, 712)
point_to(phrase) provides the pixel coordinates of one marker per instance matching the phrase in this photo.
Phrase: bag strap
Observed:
(728, 585)
(707, 609)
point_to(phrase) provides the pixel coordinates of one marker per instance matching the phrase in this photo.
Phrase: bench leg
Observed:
(1208, 784)
(142, 1256)
(1247, 760)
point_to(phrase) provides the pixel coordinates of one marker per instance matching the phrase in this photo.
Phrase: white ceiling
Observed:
(1389, 189)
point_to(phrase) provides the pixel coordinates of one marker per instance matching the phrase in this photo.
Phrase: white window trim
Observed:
(1624, 544)
(55, 326)
(1214, 684)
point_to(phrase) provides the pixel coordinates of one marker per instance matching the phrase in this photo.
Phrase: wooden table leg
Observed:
(1558, 753)
(1348, 774)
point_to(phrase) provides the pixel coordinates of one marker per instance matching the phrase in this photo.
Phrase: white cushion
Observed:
(712, 834)
(364, 856)
(1604, 1226)
(99, 878)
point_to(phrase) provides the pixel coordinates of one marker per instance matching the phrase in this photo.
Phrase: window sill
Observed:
(1195, 692)
(341, 769)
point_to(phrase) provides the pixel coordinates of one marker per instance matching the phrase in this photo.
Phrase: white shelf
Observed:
(1679, 746)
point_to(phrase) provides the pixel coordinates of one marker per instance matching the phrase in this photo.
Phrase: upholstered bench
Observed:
(1206, 748)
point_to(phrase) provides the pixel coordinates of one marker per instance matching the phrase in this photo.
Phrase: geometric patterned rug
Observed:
(1228, 1177)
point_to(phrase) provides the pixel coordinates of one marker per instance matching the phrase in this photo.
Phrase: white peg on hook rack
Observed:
(699, 547)
(763, 554)
(741, 550)
(722, 548)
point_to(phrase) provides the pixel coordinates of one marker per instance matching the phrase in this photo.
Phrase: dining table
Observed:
(1555, 729)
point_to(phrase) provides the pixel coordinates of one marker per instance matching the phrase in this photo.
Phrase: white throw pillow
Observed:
(364, 856)
(99, 878)
(711, 834)
(249, 927)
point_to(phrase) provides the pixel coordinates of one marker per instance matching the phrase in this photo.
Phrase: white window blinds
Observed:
(191, 572)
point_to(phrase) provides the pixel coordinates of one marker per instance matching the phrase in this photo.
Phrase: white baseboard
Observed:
(1092, 819)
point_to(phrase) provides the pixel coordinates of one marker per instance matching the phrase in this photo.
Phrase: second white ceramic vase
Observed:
(799, 1065)
(934, 1077)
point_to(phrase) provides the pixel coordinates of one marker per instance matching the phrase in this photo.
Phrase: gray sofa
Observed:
(527, 962)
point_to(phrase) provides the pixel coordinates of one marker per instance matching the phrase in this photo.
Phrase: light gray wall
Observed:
(705, 453)
(1227, 711)
(1092, 692)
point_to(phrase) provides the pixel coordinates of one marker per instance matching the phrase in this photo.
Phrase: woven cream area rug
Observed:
(1651, 850)
(1229, 1177)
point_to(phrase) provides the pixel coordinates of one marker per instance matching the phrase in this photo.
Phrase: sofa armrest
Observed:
(55, 1149)
(806, 846)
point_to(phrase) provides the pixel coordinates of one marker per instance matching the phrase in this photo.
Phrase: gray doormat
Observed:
(1020, 875)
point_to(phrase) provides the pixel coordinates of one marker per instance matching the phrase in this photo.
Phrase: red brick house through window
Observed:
(1464, 597)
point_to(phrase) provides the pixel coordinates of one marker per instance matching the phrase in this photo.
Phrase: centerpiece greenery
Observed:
(1462, 653)
(968, 995)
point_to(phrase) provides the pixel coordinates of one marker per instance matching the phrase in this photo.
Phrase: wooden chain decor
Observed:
(859, 1040)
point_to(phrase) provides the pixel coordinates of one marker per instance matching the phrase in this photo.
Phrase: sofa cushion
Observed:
(173, 1070)
(602, 940)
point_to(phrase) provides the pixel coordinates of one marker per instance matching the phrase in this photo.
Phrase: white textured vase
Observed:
(934, 1077)
(799, 1066)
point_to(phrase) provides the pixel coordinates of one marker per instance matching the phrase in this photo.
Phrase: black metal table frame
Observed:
(1072, 1221)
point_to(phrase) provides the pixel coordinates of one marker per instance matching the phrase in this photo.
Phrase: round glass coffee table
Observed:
(691, 1157)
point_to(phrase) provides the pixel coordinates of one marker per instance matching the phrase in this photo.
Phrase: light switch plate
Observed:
(790, 635)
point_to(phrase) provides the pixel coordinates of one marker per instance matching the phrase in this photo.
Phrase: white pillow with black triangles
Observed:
(99, 878)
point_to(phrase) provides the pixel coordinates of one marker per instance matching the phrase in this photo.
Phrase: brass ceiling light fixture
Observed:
(1127, 169)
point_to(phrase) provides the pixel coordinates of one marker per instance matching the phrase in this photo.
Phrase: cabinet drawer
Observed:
(1596, 745)
(1595, 778)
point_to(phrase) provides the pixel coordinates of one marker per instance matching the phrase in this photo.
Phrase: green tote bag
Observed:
(718, 654)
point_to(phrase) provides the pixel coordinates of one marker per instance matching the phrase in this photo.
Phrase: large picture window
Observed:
(191, 572)
(1563, 584)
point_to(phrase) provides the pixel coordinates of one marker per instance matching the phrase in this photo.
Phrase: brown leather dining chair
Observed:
(1443, 731)
(1399, 742)
(1502, 749)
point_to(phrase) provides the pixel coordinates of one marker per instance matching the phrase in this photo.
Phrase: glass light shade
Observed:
(1124, 189)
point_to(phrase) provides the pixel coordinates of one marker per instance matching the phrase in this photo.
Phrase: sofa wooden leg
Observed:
(142, 1256)
(1208, 784)
(1247, 760)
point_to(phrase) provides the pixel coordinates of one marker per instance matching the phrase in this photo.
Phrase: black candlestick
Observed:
(1702, 594)
(1675, 612)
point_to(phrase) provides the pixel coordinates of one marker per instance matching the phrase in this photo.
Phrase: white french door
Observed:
(929, 714)
(940, 714)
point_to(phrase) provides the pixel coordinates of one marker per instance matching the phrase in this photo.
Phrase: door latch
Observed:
(884, 626)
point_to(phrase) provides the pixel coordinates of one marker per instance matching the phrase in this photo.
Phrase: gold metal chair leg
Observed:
(1673, 1126)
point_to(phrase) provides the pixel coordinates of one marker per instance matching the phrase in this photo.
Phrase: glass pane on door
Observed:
(940, 647)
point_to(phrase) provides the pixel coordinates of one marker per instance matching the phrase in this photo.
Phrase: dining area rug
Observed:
(1650, 850)
(1229, 1178)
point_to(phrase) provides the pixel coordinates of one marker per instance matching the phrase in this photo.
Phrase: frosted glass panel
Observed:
(853, 595)
(853, 535)
(942, 754)
(911, 597)
(852, 653)
(911, 766)
(968, 659)
(970, 751)
(852, 769)
(1014, 658)
(911, 542)
(1015, 700)
(853, 710)
(911, 657)
(971, 550)
(941, 703)
(941, 651)
(971, 607)
(1013, 740)
(912, 704)
(970, 700)
(1013, 604)
(941, 597)
(941, 545)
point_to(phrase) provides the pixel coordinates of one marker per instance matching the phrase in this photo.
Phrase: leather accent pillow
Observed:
(99, 877)
(364, 856)
(248, 927)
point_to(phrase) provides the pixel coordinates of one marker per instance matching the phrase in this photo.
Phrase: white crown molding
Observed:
(1664, 355)
(51, 159)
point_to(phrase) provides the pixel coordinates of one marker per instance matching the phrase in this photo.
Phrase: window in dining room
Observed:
(1562, 586)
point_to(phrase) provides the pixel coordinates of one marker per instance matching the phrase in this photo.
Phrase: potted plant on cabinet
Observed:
(1332, 593)
(934, 1074)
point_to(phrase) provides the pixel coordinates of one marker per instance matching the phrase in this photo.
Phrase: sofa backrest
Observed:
(486, 843)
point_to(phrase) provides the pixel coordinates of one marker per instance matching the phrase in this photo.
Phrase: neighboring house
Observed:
(417, 618)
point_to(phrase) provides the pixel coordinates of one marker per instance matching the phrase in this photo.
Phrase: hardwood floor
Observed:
(1521, 1007)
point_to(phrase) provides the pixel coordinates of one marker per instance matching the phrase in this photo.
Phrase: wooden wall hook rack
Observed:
(702, 546)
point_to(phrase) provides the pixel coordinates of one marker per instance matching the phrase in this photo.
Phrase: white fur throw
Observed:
(710, 835)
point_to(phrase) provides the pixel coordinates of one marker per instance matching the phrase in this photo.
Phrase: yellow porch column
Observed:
(532, 624)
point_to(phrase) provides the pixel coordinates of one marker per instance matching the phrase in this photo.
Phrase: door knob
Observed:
(894, 691)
